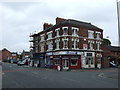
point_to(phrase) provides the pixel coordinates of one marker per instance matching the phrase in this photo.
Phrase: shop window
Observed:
(57, 62)
(74, 62)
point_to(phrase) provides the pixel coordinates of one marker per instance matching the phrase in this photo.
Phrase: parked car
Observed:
(22, 62)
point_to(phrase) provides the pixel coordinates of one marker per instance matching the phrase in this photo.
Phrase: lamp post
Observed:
(118, 16)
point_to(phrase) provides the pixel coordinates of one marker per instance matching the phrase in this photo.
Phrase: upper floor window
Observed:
(57, 43)
(98, 35)
(75, 44)
(57, 31)
(42, 47)
(49, 35)
(75, 31)
(50, 45)
(65, 43)
(90, 34)
(98, 45)
(91, 45)
(65, 30)
(42, 38)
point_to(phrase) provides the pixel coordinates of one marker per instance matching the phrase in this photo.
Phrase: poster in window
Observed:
(85, 46)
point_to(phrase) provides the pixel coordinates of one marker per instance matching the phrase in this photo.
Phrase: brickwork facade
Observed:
(69, 43)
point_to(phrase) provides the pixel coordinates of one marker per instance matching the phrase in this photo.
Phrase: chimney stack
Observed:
(46, 25)
(59, 20)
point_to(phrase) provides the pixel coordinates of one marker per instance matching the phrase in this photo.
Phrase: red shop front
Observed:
(67, 61)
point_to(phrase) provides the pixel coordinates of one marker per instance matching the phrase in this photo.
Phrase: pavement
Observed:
(31, 77)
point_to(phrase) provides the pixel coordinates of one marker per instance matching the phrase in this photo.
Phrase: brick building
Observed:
(69, 43)
(111, 53)
(5, 55)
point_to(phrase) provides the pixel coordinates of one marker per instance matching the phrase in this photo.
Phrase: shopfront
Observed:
(67, 60)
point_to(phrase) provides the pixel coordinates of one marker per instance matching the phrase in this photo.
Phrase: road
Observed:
(14, 76)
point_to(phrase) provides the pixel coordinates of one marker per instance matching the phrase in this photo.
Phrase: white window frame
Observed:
(91, 45)
(57, 41)
(50, 45)
(65, 42)
(63, 31)
(98, 45)
(49, 35)
(75, 40)
(98, 34)
(41, 47)
(90, 34)
(57, 31)
(42, 38)
(75, 32)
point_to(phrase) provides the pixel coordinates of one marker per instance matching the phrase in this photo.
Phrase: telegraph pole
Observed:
(118, 15)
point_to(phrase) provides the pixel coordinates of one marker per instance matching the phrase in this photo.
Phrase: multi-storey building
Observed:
(69, 43)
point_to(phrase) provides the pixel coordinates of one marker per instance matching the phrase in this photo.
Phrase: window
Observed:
(74, 60)
(98, 45)
(65, 43)
(74, 31)
(90, 34)
(98, 35)
(57, 62)
(90, 45)
(36, 49)
(74, 43)
(57, 32)
(65, 30)
(50, 45)
(42, 47)
(57, 43)
(42, 38)
(49, 35)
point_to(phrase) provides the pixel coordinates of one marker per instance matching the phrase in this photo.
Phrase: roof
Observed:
(73, 22)
(113, 48)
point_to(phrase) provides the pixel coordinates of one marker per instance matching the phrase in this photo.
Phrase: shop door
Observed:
(65, 64)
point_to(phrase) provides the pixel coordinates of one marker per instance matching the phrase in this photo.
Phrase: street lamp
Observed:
(118, 15)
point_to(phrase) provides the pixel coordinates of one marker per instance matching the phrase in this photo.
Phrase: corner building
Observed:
(69, 43)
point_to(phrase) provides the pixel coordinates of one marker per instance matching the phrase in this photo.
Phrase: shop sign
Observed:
(47, 54)
(70, 52)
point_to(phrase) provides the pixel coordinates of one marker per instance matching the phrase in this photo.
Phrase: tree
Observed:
(106, 42)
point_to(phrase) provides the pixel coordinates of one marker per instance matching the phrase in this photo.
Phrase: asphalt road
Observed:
(14, 76)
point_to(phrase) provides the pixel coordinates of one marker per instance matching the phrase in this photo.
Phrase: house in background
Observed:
(69, 44)
(111, 53)
(5, 55)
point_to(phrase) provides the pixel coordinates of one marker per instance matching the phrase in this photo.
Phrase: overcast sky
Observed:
(19, 19)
